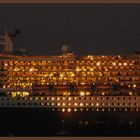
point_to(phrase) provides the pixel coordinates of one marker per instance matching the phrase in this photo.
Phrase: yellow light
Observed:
(6, 64)
(98, 63)
(103, 93)
(131, 93)
(134, 85)
(63, 109)
(97, 104)
(61, 75)
(81, 104)
(87, 93)
(31, 69)
(77, 69)
(72, 74)
(69, 98)
(75, 104)
(75, 109)
(69, 109)
(58, 98)
(120, 64)
(106, 69)
(65, 93)
(82, 93)
(16, 69)
(51, 75)
(58, 104)
(125, 64)
(63, 104)
(52, 98)
(82, 83)
(114, 63)
(91, 69)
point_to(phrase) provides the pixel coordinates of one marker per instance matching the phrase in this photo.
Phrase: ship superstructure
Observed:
(70, 82)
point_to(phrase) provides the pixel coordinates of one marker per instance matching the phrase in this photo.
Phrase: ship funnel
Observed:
(6, 41)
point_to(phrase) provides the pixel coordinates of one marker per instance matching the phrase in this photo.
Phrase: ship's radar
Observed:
(66, 49)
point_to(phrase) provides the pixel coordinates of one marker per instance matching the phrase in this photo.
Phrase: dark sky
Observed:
(88, 29)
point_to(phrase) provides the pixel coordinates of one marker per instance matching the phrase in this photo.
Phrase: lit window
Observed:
(98, 63)
(87, 93)
(130, 93)
(82, 93)
(63, 110)
(103, 93)
(91, 69)
(69, 109)
(134, 85)
(31, 69)
(81, 104)
(114, 63)
(75, 104)
(97, 104)
(97, 109)
(58, 98)
(125, 64)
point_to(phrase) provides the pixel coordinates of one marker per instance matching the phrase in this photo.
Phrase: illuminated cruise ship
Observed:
(70, 83)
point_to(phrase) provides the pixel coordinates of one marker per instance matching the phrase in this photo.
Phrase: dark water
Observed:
(44, 122)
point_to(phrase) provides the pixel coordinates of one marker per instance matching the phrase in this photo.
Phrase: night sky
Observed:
(88, 29)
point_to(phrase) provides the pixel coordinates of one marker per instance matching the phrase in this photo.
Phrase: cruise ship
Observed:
(80, 89)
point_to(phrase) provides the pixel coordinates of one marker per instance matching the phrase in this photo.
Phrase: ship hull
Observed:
(45, 122)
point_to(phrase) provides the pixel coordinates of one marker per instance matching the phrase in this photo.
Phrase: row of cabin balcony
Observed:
(130, 79)
(70, 68)
(102, 62)
(24, 95)
(65, 76)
